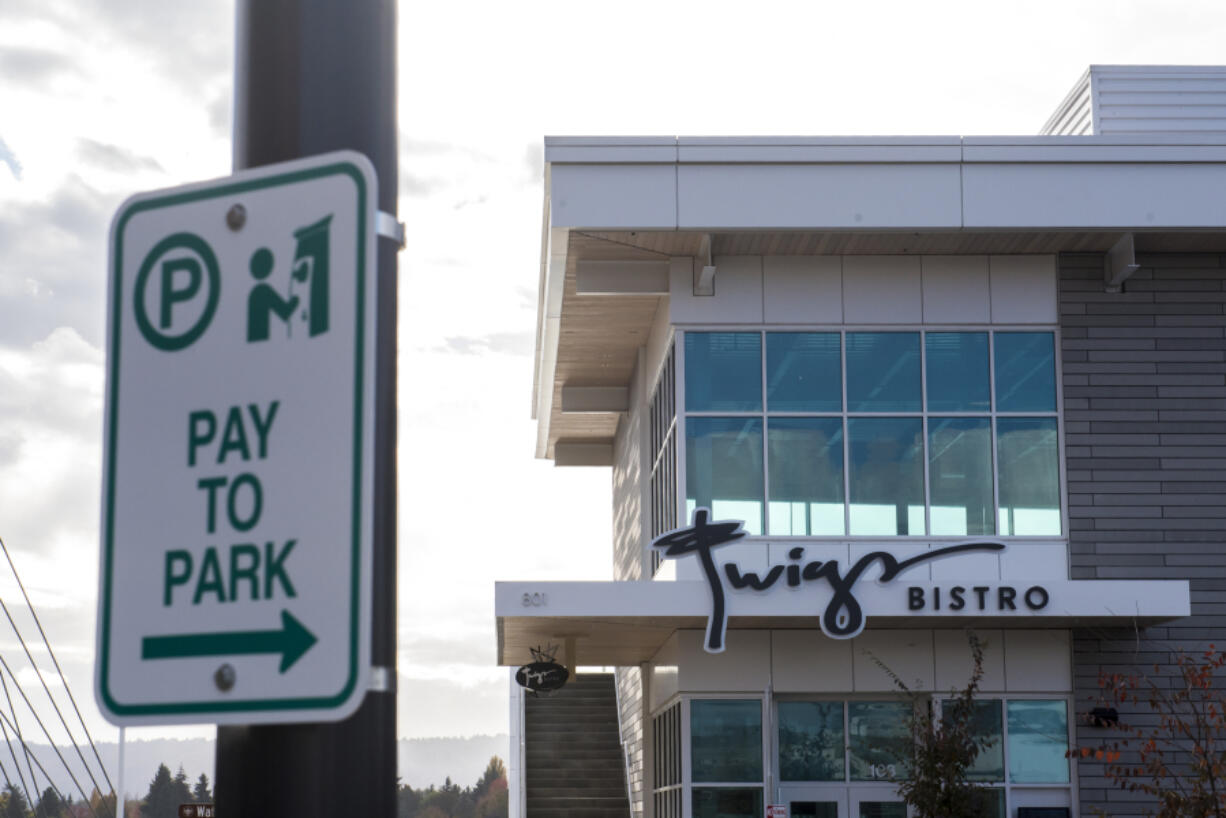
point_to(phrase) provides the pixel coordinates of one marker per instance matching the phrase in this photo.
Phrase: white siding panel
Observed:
(714, 197)
(1034, 561)
(882, 290)
(956, 290)
(908, 653)
(737, 299)
(744, 666)
(1023, 289)
(1117, 197)
(953, 659)
(810, 662)
(1038, 661)
(664, 673)
(803, 289)
(631, 196)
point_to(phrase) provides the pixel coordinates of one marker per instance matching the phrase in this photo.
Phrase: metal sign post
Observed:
(314, 76)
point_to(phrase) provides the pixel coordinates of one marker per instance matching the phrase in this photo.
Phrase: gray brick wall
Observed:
(1144, 403)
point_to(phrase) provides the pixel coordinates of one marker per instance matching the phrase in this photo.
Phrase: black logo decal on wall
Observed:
(843, 617)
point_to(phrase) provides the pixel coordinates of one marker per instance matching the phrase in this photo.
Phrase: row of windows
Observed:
(822, 743)
(944, 433)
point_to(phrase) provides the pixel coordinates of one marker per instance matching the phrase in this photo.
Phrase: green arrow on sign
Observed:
(291, 642)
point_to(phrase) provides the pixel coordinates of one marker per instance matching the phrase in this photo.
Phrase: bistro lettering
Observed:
(843, 617)
(977, 598)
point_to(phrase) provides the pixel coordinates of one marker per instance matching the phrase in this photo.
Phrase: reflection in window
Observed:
(886, 486)
(1038, 740)
(723, 463)
(883, 809)
(986, 724)
(806, 476)
(726, 740)
(960, 475)
(883, 372)
(878, 740)
(1029, 476)
(811, 741)
(803, 372)
(1025, 372)
(723, 371)
(957, 365)
(727, 802)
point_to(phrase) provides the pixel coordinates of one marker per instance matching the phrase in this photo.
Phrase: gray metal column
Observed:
(313, 76)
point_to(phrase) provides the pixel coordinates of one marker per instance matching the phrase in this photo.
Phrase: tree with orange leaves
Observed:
(1179, 760)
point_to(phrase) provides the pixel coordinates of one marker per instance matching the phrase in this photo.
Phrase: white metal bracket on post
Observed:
(387, 226)
(704, 269)
(1121, 263)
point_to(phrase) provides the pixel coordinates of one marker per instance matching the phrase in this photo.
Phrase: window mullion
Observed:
(846, 448)
(766, 447)
(924, 430)
(992, 430)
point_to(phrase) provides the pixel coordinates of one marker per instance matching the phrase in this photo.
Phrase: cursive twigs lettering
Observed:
(843, 617)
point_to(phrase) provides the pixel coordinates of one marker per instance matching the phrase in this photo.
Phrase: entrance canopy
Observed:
(625, 623)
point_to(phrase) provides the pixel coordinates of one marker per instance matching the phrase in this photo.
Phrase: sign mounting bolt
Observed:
(224, 677)
(236, 217)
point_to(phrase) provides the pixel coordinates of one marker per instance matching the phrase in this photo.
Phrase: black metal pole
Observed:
(313, 76)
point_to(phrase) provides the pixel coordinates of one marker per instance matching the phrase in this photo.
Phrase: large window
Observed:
(726, 758)
(866, 433)
(832, 742)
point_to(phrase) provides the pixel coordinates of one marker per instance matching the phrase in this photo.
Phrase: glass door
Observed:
(809, 801)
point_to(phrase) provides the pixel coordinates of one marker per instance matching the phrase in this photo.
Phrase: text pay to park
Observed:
(237, 484)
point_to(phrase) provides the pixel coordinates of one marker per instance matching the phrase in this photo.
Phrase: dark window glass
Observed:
(726, 740)
(724, 469)
(1025, 372)
(986, 725)
(957, 366)
(878, 740)
(886, 471)
(882, 809)
(960, 476)
(813, 809)
(811, 741)
(803, 372)
(723, 371)
(806, 476)
(883, 372)
(727, 802)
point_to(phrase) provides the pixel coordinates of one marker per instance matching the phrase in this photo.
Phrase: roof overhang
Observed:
(649, 200)
(625, 623)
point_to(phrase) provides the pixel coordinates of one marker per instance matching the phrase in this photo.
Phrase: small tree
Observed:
(943, 749)
(201, 794)
(1180, 760)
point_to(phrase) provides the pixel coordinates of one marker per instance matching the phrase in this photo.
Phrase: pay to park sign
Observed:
(236, 508)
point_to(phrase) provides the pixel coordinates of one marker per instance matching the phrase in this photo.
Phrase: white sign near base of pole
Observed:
(239, 440)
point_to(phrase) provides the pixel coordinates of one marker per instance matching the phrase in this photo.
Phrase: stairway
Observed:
(574, 764)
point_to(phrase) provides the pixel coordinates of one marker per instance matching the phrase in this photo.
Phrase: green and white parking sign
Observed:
(237, 497)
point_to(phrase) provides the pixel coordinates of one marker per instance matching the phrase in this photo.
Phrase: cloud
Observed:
(510, 343)
(114, 158)
(33, 66)
(9, 158)
(52, 263)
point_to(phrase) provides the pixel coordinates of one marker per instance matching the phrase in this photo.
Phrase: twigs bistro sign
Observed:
(843, 617)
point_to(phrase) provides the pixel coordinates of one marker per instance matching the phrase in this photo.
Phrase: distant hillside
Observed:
(421, 762)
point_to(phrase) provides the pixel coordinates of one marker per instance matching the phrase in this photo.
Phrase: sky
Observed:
(100, 99)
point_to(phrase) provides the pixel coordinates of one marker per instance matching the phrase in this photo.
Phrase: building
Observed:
(942, 383)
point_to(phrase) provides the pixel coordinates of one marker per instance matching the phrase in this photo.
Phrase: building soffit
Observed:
(589, 335)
